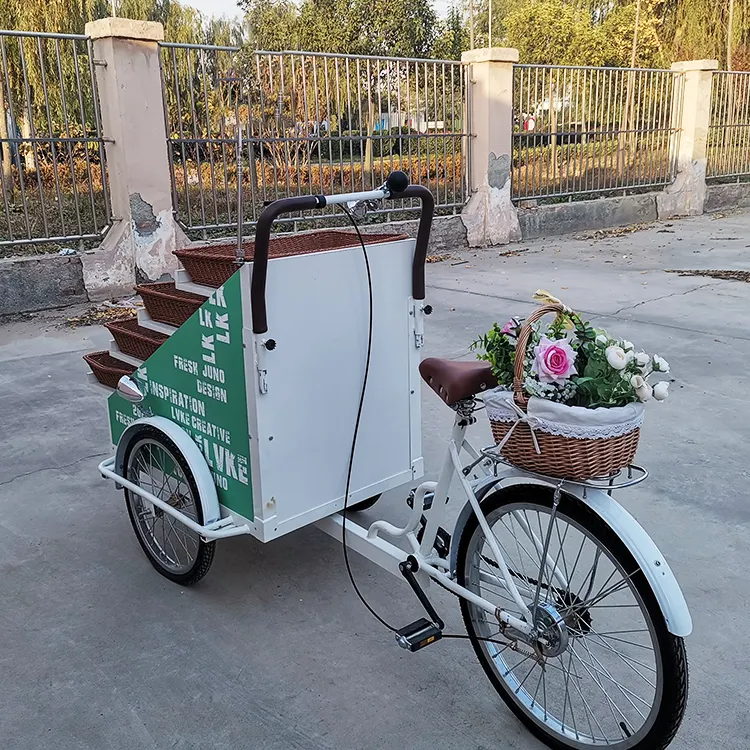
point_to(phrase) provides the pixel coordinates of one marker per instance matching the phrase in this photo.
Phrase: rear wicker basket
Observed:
(559, 456)
(213, 265)
(107, 369)
(134, 339)
(167, 304)
(565, 457)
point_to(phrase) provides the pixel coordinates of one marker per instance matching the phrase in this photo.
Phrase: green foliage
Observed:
(452, 36)
(499, 349)
(597, 382)
(553, 32)
(397, 28)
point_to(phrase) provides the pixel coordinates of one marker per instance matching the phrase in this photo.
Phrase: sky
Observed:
(229, 7)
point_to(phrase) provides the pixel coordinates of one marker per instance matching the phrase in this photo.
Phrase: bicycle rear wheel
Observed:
(605, 672)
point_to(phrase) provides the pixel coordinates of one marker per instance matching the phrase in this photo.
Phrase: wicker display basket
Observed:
(559, 456)
(134, 339)
(107, 369)
(214, 264)
(167, 304)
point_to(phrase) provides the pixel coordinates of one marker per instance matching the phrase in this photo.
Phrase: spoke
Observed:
(575, 564)
(543, 557)
(625, 691)
(627, 660)
(520, 684)
(501, 581)
(587, 709)
(536, 689)
(562, 549)
(603, 594)
(488, 560)
(567, 700)
(622, 640)
(180, 540)
(521, 546)
(610, 702)
(516, 666)
(592, 572)
(613, 606)
(553, 568)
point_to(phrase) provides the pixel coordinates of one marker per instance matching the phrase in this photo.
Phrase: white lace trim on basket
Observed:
(562, 420)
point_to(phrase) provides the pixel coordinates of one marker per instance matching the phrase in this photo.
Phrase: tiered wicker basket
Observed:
(134, 339)
(107, 369)
(167, 304)
(214, 264)
(559, 456)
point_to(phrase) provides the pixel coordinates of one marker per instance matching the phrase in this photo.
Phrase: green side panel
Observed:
(197, 379)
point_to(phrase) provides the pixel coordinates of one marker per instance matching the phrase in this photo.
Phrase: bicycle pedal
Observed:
(426, 505)
(418, 634)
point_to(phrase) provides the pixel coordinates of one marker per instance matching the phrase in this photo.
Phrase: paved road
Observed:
(272, 651)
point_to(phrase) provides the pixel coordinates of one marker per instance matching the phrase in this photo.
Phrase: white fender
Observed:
(192, 454)
(656, 569)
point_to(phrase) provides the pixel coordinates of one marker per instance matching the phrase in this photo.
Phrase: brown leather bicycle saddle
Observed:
(454, 381)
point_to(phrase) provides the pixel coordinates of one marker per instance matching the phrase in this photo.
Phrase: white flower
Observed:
(642, 359)
(661, 390)
(616, 357)
(628, 346)
(629, 355)
(601, 339)
(642, 389)
(660, 364)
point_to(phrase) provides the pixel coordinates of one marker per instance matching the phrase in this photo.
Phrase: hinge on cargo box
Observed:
(417, 313)
(260, 365)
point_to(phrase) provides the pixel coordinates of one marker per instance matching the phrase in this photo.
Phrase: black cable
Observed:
(349, 571)
(380, 619)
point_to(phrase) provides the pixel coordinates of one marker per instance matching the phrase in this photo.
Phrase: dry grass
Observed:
(205, 201)
(583, 169)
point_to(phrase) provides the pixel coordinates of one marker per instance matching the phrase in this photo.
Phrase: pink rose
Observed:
(554, 361)
(510, 327)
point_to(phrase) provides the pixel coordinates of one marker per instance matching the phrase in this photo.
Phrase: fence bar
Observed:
(581, 132)
(52, 141)
(312, 121)
(728, 151)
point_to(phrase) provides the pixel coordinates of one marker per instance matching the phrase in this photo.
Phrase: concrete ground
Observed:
(272, 651)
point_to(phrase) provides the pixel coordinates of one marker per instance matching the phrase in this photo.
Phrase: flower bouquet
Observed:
(571, 397)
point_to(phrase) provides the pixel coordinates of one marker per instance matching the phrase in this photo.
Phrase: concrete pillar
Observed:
(691, 116)
(144, 233)
(490, 217)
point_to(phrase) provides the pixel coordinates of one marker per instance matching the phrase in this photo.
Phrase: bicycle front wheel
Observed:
(603, 670)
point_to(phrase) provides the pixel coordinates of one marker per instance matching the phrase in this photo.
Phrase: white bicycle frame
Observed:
(370, 544)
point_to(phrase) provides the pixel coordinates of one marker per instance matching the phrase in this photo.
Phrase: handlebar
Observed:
(308, 202)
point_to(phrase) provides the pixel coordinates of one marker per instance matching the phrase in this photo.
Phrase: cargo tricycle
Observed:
(277, 384)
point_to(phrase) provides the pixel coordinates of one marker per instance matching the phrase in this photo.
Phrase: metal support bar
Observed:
(221, 529)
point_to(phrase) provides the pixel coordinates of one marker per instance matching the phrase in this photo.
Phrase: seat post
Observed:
(464, 417)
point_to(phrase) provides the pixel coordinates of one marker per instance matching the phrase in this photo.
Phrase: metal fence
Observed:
(728, 149)
(311, 123)
(581, 132)
(53, 175)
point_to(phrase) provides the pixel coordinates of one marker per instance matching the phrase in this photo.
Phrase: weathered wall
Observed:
(727, 197)
(566, 218)
(40, 283)
(448, 232)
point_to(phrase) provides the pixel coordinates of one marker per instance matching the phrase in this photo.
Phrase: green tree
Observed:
(452, 36)
(553, 32)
